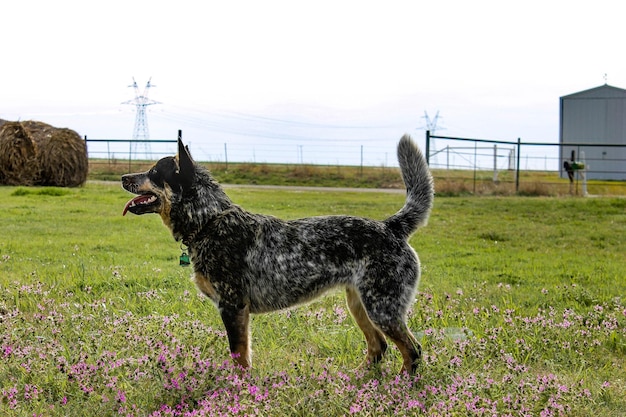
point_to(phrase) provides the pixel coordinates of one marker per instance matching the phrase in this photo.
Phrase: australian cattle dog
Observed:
(254, 263)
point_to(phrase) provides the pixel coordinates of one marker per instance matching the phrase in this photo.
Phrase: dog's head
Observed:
(183, 193)
(156, 187)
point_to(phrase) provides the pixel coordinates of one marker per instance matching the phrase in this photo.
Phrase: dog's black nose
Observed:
(127, 180)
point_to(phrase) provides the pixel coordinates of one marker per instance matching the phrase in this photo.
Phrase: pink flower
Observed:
(7, 350)
(121, 396)
(456, 361)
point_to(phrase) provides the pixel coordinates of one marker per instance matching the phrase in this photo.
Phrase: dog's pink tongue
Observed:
(137, 200)
(130, 203)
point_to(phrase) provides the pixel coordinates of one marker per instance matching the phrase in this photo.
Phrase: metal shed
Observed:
(595, 117)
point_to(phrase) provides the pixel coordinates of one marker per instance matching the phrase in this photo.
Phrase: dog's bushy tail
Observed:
(419, 190)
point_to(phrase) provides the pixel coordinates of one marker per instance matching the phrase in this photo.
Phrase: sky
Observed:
(293, 79)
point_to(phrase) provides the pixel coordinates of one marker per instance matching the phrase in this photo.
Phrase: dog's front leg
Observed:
(237, 322)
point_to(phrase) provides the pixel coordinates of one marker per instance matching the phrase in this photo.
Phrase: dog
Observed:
(250, 263)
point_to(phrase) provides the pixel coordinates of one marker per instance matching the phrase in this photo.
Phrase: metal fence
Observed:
(603, 165)
(323, 153)
(109, 153)
(475, 166)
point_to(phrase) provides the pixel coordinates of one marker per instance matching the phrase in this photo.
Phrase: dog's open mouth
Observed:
(145, 203)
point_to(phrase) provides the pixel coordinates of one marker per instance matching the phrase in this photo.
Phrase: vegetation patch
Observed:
(520, 311)
(448, 183)
(49, 191)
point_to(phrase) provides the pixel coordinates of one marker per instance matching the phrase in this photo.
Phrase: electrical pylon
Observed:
(431, 126)
(141, 133)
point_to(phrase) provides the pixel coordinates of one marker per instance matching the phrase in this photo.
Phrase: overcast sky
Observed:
(299, 70)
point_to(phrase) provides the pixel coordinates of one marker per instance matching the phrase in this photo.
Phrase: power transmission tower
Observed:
(431, 126)
(141, 132)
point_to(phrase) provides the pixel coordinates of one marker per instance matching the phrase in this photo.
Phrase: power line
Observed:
(260, 127)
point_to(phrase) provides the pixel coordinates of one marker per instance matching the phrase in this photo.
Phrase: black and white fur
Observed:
(253, 263)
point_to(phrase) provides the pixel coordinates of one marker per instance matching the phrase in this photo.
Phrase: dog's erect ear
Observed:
(186, 165)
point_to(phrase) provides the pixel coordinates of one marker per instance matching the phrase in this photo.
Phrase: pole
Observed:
(428, 147)
(519, 151)
(361, 160)
(495, 163)
(226, 155)
(583, 173)
(577, 174)
(475, 152)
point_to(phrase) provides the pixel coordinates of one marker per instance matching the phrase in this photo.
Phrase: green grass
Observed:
(520, 311)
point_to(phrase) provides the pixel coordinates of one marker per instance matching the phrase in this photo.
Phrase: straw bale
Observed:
(36, 153)
(39, 131)
(61, 156)
(18, 155)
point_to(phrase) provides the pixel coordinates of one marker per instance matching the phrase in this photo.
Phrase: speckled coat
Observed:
(253, 263)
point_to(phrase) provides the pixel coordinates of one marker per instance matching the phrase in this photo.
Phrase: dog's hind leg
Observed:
(237, 322)
(408, 345)
(376, 344)
(389, 318)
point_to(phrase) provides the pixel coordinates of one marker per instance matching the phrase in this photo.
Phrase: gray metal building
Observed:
(595, 116)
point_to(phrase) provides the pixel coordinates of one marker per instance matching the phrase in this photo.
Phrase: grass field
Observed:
(520, 312)
(451, 183)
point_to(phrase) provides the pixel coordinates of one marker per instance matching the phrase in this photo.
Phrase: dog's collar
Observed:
(184, 259)
(187, 240)
(190, 238)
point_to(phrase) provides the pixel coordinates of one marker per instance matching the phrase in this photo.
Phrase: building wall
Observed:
(596, 116)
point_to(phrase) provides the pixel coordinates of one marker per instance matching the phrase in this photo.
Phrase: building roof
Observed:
(603, 91)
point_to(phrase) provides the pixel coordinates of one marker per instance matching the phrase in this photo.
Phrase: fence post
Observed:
(361, 160)
(495, 163)
(428, 147)
(518, 156)
(475, 163)
(577, 174)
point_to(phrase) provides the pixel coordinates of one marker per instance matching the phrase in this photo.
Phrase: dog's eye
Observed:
(153, 175)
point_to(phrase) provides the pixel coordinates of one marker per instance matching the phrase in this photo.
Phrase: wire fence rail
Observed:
(600, 165)
(460, 165)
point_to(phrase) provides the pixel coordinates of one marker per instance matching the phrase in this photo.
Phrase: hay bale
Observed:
(39, 131)
(36, 153)
(18, 155)
(61, 155)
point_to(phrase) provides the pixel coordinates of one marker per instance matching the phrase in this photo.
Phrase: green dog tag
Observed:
(184, 259)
